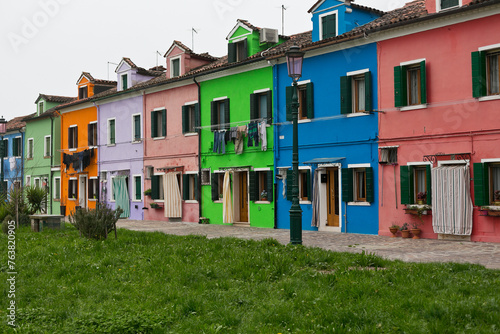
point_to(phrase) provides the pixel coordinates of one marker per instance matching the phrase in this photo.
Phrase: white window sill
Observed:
(489, 98)
(358, 204)
(137, 142)
(415, 107)
(92, 200)
(137, 201)
(112, 201)
(418, 206)
(191, 134)
(72, 199)
(190, 201)
(300, 121)
(305, 202)
(159, 201)
(72, 149)
(262, 202)
(158, 138)
(358, 114)
(111, 145)
(218, 201)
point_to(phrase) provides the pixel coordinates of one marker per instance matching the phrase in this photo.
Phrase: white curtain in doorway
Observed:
(227, 201)
(120, 193)
(451, 201)
(172, 196)
(315, 199)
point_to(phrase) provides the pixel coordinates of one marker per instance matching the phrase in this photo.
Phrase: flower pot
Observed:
(420, 201)
(416, 233)
(394, 231)
(405, 233)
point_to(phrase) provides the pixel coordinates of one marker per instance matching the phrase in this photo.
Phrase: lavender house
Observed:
(120, 141)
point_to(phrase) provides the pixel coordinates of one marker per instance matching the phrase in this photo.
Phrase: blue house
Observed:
(338, 124)
(13, 158)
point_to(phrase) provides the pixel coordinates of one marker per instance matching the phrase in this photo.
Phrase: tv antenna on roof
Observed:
(157, 53)
(193, 31)
(108, 67)
(283, 8)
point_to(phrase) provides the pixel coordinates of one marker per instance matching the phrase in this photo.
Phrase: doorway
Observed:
(240, 198)
(82, 195)
(332, 197)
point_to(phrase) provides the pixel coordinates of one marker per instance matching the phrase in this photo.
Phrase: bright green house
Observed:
(42, 165)
(236, 133)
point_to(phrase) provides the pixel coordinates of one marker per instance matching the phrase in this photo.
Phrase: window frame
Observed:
(19, 152)
(134, 188)
(409, 181)
(495, 53)
(159, 122)
(402, 87)
(74, 181)
(134, 134)
(215, 112)
(217, 183)
(45, 155)
(483, 182)
(92, 139)
(31, 149)
(439, 7)
(309, 108)
(124, 81)
(349, 183)
(173, 61)
(321, 23)
(56, 190)
(40, 108)
(349, 93)
(108, 128)
(28, 181)
(93, 182)
(190, 187)
(83, 92)
(5, 148)
(190, 118)
(73, 137)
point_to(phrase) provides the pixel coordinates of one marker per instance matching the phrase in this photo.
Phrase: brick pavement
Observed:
(409, 250)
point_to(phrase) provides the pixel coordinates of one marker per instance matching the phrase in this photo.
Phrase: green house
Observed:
(42, 165)
(236, 98)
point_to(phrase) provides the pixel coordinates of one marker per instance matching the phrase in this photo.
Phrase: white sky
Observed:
(46, 44)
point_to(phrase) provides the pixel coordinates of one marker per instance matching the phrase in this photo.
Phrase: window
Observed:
(93, 188)
(356, 93)
(493, 73)
(304, 185)
(220, 114)
(40, 108)
(486, 72)
(73, 137)
(217, 186)
(28, 180)
(237, 51)
(92, 134)
(357, 184)
(157, 187)
(328, 24)
(149, 172)
(388, 155)
(136, 128)
(82, 92)
(415, 184)
(445, 4)
(190, 118)
(159, 123)
(410, 87)
(487, 183)
(137, 188)
(261, 106)
(36, 183)
(261, 186)
(306, 101)
(5, 148)
(190, 187)
(205, 177)
(111, 132)
(56, 192)
(16, 147)
(72, 188)
(30, 148)
(47, 147)
(124, 81)
(175, 67)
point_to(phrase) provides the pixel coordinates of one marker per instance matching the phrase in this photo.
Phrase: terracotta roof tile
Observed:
(55, 98)
(16, 123)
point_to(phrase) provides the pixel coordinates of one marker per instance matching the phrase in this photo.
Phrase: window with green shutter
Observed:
(111, 132)
(486, 184)
(124, 81)
(237, 51)
(190, 187)
(445, 4)
(410, 84)
(220, 119)
(5, 151)
(347, 185)
(485, 73)
(190, 118)
(261, 186)
(305, 185)
(356, 93)
(136, 135)
(328, 26)
(358, 185)
(16, 147)
(305, 96)
(137, 187)
(415, 184)
(261, 106)
(159, 123)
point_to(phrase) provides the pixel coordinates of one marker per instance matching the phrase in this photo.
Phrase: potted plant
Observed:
(405, 230)
(155, 205)
(416, 229)
(394, 229)
(496, 196)
(263, 195)
(148, 192)
(421, 197)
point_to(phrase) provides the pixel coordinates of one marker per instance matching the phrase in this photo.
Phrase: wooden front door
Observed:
(243, 197)
(332, 200)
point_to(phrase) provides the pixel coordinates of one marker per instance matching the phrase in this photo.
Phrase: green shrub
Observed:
(95, 223)
(37, 198)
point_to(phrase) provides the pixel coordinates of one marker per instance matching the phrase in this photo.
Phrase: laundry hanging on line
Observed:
(79, 161)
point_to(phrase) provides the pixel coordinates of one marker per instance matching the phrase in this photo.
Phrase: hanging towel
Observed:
(451, 201)
(282, 172)
(12, 163)
(263, 135)
(315, 200)
(227, 201)
(172, 196)
(216, 142)
(238, 144)
(253, 134)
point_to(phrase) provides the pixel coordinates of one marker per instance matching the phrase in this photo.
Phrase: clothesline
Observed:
(216, 127)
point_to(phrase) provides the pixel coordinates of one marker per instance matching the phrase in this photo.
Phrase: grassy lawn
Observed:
(156, 283)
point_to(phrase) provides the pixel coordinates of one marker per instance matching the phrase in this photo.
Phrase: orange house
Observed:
(79, 150)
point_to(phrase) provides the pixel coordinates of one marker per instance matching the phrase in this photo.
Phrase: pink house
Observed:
(171, 145)
(439, 120)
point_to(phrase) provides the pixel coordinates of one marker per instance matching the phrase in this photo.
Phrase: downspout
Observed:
(22, 156)
(51, 158)
(276, 143)
(199, 150)
(97, 160)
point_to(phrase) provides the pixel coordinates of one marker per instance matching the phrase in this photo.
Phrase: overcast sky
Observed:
(46, 44)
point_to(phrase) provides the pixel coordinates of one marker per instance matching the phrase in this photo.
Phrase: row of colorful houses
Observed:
(398, 114)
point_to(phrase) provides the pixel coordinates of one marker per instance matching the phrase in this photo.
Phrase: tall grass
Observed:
(156, 283)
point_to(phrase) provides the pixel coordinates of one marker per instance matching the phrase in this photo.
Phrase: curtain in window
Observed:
(263, 106)
(451, 200)
(495, 177)
(361, 94)
(494, 74)
(120, 193)
(227, 201)
(421, 186)
(414, 74)
(172, 196)
(315, 199)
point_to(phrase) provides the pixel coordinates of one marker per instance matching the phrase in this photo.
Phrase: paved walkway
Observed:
(409, 250)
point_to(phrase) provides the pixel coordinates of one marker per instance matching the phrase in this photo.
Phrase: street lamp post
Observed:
(294, 58)
(3, 129)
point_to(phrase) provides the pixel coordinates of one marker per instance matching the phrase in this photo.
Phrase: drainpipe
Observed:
(276, 140)
(51, 158)
(22, 156)
(199, 149)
